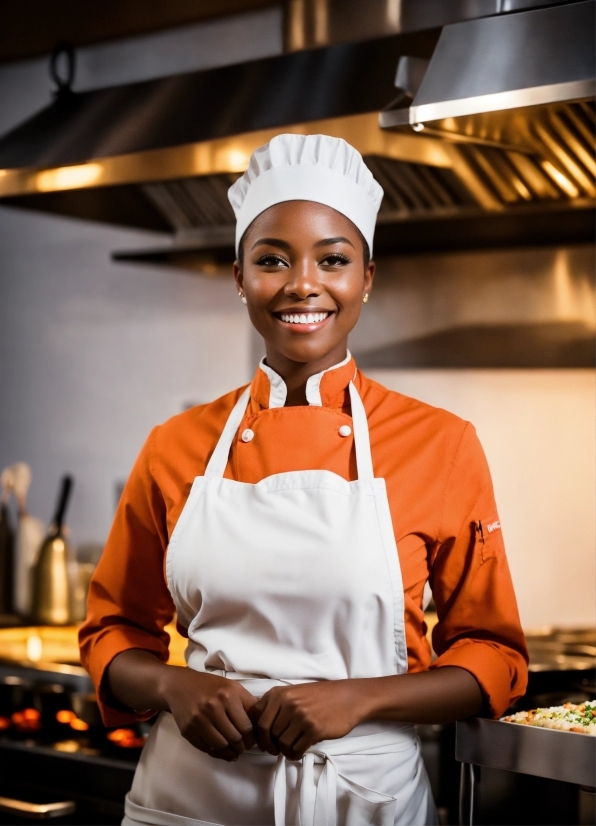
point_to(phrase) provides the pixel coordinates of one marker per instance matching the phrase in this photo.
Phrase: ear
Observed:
(369, 276)
(238, 277)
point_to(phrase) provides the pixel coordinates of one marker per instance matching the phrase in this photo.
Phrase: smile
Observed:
(303, 318)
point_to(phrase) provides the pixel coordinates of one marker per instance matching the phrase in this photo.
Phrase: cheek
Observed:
(260, 289)
(347, 292)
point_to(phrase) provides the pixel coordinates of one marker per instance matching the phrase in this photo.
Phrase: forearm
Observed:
(211, 712)
(439, 696)
(137, 679)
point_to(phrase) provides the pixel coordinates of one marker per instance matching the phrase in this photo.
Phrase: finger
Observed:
(287, 739)
(255, 712)
(226, 754)
(242, 723)
(213, 737)
(201, 745)
(282, 722)
(264, 723)
(300, 747)
(219, 715)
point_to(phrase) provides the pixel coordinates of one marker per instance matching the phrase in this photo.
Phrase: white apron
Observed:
(290, 580)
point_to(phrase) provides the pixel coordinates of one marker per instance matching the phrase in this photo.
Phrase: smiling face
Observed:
(304, 277)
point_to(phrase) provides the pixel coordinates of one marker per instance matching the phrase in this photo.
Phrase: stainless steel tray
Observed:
(558, 755)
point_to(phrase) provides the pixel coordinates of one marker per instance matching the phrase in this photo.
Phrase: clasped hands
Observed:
(221, 718)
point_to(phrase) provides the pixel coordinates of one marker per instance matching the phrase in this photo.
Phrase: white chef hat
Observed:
(307, 168)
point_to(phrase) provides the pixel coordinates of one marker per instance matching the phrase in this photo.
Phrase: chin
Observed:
(303, 351)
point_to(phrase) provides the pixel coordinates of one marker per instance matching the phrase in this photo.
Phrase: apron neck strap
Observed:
(219, 458)
(364, 463)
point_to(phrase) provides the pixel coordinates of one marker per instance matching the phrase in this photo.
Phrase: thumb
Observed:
(257, 709)
(248, 701)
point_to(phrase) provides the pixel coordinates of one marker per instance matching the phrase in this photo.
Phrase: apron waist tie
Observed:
(318, 802)
(317, 806)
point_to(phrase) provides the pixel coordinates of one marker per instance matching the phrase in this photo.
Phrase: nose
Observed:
(303, 281)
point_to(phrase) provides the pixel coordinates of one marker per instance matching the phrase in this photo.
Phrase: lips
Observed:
(303, 318)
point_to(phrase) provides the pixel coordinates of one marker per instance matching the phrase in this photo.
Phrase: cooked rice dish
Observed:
(580, 719)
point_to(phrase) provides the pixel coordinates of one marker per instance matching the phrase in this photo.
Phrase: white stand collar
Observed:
(279, 392)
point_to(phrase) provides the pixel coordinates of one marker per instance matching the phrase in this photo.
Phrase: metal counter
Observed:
(558, 755)
(549, 753)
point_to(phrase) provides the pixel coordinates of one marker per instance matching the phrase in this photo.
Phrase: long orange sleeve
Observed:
(478, 627)
(129, 603)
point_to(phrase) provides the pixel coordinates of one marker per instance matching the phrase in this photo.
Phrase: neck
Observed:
(295, 373)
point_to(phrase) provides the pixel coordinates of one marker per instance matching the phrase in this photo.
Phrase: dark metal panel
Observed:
(522, 226)
(324, 83)
(471, 229)
(124, 206)
(553, 344)
(33, 27)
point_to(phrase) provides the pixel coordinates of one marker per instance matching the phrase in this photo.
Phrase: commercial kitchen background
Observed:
(94, 353)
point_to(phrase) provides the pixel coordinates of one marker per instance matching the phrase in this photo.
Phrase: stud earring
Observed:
(242, 298)
(365, 299)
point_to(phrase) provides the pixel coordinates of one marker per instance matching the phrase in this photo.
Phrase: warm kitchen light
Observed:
(29, 719)
(34, 648)
(557, 176)
(67, 177)
(65, 716)
(237, 160)
(79, 725)
(120, 734)
(4, 723)
(68, 746)
(126, 738)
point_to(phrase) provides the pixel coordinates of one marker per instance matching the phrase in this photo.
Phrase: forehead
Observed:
(302, 221)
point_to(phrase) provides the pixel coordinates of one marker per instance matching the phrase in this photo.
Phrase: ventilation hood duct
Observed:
(483, 69)
(460, 165)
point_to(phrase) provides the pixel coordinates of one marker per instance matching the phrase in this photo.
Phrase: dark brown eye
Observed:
(271, 261)
(336, 259)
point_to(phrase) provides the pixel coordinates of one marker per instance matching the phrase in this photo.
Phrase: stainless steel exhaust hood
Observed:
(505, 62)
(521, 83)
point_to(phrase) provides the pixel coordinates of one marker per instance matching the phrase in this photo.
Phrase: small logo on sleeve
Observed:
(493, 526)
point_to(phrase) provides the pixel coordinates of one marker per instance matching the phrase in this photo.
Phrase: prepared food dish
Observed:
(580, 719)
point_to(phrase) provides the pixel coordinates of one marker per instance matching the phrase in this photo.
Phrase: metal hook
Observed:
(63, 83)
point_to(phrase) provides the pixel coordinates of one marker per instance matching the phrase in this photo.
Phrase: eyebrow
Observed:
(273, 242)
(339, 239)
(277, 242)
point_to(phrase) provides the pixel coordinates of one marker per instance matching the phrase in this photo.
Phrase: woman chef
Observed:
(292, 526)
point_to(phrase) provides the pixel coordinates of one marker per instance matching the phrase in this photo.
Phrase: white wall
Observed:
(93, 353)
(537, 428)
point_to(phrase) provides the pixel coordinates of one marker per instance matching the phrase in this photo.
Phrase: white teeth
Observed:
(303, 318)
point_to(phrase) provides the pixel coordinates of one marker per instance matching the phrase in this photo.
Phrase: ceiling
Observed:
(29, 28)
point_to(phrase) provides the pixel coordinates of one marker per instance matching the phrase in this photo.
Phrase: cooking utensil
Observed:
(6, 542)
(15, 695)
(52, 592)
(30, 534)
(86, 708)
(49, 699)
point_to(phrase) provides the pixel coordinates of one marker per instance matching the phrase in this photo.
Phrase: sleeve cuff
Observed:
(489, 668)
(103, 652)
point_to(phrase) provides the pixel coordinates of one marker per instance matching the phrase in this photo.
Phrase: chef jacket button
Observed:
(345, 430)
(247, 435)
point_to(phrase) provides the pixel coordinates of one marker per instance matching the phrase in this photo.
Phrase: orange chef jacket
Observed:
(442, 507)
